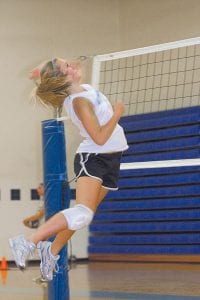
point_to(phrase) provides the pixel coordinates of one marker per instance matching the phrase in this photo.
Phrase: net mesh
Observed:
(152, 82)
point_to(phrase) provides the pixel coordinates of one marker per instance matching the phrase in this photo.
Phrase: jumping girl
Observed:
(96, 163)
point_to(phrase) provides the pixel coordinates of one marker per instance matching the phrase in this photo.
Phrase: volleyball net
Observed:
(155, 213)
(161, 78)
(150, 79)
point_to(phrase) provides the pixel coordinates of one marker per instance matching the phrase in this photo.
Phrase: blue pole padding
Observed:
(57, 195)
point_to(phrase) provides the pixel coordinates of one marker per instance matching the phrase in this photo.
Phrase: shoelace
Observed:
(31, 250)
(54, 261)
(53, 265)
(26, 249)
(56, 267)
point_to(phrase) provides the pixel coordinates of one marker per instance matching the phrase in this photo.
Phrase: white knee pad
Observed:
(78, 216)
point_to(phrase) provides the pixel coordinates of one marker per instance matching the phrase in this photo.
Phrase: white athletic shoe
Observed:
(48, 261)
(21, 250)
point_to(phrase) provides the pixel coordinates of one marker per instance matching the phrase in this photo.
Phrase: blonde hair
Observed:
(53, 87)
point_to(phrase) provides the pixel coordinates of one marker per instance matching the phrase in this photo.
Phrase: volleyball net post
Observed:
(57, 195)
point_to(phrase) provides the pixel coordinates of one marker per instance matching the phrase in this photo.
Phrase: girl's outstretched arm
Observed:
(86, 114)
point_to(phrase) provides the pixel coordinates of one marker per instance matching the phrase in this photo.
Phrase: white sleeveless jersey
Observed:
(103, 111)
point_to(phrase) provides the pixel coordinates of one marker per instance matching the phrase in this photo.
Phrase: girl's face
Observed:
(71, 69)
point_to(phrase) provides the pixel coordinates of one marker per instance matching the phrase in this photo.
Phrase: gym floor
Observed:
(101, 281)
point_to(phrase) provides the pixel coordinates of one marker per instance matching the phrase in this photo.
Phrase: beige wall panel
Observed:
(148, 22)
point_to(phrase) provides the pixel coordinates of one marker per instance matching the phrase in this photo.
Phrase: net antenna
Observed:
(57, 112)
(151, 79)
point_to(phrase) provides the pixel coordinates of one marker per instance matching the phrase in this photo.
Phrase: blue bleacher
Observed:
(156, 211)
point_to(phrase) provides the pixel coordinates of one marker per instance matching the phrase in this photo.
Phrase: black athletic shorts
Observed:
(102, 166)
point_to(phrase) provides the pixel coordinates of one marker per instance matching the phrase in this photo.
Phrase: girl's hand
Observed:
(35, 74)
(119, 109)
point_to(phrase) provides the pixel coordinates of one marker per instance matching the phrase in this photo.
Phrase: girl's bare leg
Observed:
(51, 227)
(60, 240)
(81, 188)
(88, 192)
